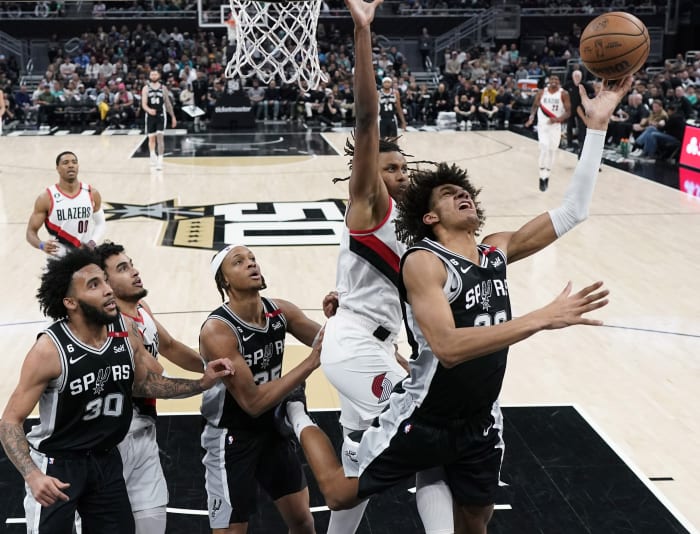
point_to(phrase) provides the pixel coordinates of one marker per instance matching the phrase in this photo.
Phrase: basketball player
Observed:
(83, 371)
(389, 108)
(243, 447)
(446, 413)
(553, 108)
(71, 212)
(155, 101)
(145, 482)
(358, 356)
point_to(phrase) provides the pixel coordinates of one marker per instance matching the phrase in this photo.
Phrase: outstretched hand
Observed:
(362, 12)
(215, 370)
(600, 109)
(567, 309)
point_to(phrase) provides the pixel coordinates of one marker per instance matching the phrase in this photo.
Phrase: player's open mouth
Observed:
(111, 305)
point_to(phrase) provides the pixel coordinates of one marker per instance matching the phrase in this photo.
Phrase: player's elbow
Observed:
(444, 352)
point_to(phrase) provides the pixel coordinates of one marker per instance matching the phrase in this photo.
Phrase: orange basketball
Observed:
(614, 45)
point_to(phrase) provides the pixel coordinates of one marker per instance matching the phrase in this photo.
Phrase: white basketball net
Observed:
(276, 40)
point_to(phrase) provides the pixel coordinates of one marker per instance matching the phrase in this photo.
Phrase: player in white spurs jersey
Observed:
(70, 210)
(457, 300)
(359, 357)
(145, 482)
(553, 107)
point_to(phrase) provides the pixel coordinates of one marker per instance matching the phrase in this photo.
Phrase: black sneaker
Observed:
(544, 184)
(282, 424)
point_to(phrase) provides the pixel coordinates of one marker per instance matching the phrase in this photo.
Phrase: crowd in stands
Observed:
(99, 84)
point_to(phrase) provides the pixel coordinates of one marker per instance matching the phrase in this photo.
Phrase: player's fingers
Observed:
(597, 296)
(589, 289)
(584, 95)
(567, 289)
(591, 322)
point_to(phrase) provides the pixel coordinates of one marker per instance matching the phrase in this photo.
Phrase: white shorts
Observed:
(362, 368)
(549, 134)
(143, 473)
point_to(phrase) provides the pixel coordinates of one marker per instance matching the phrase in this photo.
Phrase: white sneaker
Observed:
(159, 163)
(154, 160)
(636, 153)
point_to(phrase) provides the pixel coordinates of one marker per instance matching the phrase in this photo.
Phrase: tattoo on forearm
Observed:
(161, 387)
(16, 447)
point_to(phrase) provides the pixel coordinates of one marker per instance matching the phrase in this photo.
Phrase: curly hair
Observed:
(416, 201)
(386, 144)
(57, 278)
(106, 250)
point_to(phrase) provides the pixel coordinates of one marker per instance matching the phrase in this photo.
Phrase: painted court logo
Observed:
(214, 226)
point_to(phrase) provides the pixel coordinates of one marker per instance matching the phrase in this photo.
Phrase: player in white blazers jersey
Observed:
(145, 482)
(70, 210)
(458, 316)
(553, 108)
(359, 356)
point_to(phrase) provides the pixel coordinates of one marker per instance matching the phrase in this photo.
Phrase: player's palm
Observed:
(362, 12)
(600, 109)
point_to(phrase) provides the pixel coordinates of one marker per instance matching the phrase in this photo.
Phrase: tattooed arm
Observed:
(40, 366)
(150, 382)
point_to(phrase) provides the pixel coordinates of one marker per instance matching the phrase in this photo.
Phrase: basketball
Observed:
(614, 45)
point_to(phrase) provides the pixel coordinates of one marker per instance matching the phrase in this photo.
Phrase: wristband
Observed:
(41, 245)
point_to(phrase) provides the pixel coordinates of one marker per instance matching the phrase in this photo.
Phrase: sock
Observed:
(347, 521)
(297, 416)
(434, 501)
(151, 521)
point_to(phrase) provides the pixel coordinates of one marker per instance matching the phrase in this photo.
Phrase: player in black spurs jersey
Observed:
(155, 101)
(82, 371)
(244, 450)
(459, 322)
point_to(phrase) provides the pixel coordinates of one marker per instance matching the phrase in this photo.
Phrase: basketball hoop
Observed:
(275, 40)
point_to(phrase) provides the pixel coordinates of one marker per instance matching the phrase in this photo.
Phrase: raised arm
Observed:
(40, 366)
(369, 199)
(424, 276)
(547, 227)
(217, 341)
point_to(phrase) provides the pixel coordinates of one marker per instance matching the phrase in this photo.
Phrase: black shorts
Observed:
(388, 127)
(97, 492)
(155, 123)
(471, 453)
(250, 458)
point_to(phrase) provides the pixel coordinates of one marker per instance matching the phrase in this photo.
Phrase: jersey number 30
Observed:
(111, 406)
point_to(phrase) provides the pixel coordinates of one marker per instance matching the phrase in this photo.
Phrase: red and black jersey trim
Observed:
(60, 234)
(378, 254)
(547, 112)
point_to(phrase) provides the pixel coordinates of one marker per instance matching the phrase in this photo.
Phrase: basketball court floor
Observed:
(602, 431)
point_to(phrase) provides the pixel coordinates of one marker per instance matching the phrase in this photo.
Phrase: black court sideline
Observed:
(562, 476)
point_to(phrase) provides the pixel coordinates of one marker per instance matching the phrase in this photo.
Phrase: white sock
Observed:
(151, 521)
(434, 501)
(347, 521)
(297, 416)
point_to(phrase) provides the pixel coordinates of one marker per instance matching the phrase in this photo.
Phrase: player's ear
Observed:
(430, 218)
(70, 303)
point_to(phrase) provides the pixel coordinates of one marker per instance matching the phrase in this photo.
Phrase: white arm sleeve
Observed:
(98, 226)
(577, 199)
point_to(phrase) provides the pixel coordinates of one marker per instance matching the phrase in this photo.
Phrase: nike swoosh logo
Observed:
(465, 271)
(246, 338)
(76, 360)
(486, 432)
